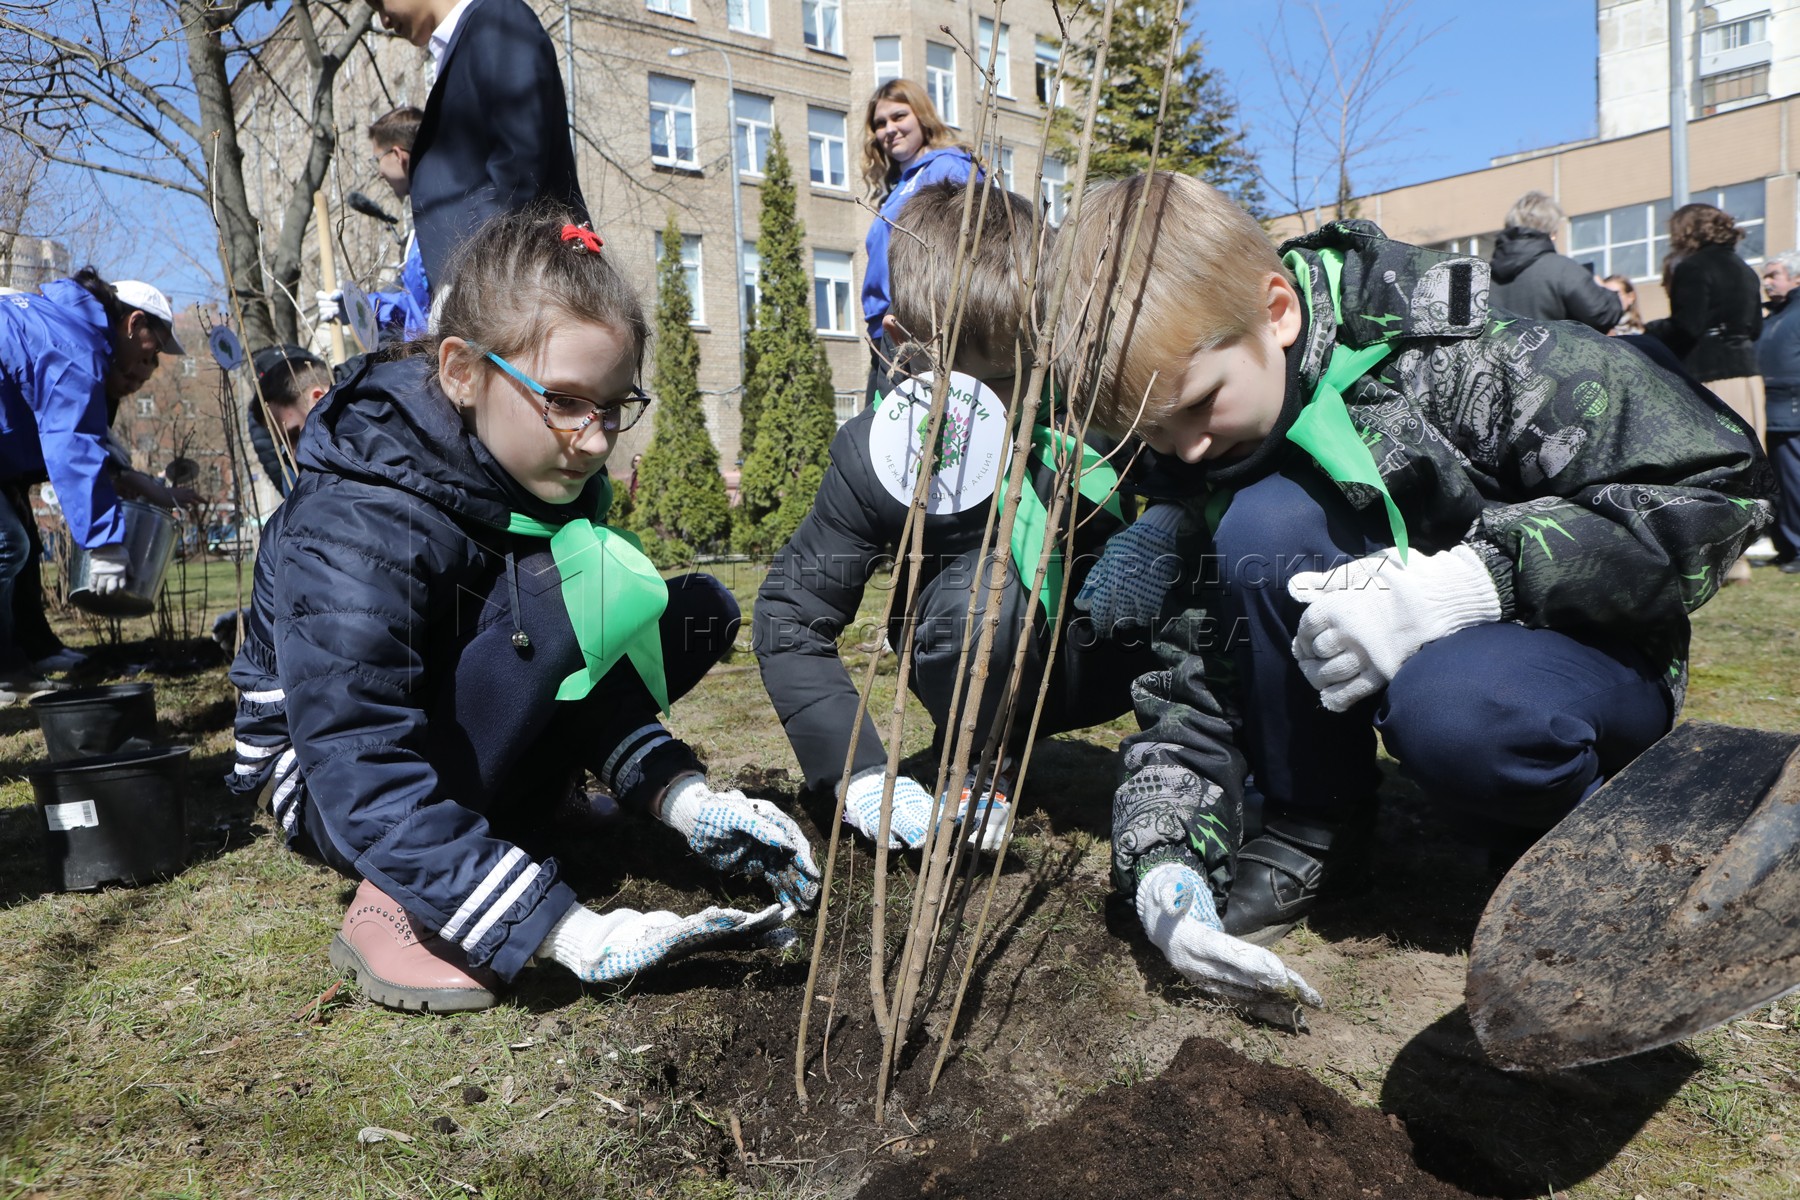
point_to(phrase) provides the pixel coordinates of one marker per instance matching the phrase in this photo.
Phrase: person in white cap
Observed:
(67, 356)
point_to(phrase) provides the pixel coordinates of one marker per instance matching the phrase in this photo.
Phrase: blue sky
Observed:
(1504, 78)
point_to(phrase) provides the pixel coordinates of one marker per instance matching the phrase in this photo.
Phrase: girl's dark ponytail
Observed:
(97, 287)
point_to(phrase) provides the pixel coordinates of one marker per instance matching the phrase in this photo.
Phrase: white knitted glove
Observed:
(912, 808)
(1176, 908)
(331, 307)
(1366, 618)
(745, 837)
(107, 568)
(1137, 567)
(617, 944)
(990, 815)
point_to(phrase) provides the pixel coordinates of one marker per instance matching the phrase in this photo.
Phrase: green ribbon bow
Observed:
(615, 598)
(1324, 429)
(1097, 482)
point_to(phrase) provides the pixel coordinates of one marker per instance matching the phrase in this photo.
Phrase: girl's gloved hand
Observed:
(1137, 567)
(1176, 907)
(744, 837)
(1366, 618)
(912, 808)
(616, 945)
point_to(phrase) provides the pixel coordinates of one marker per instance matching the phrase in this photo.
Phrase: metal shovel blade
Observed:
(1666, 904)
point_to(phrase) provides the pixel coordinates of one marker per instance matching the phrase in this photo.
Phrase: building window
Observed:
(690, 271)
(820, 20)
(940, 79)
(1049, 90)
(747, 16)
(1634, 240)
(670, 8)
(146, 406)
(1055, 189)
(887, 60)
(1002, 60)
(825, 147)
(1480, 245)
(752, 281)
(1734, 35)
(1002, 159)
(189, 366)
(1733, 87)
(672, 122)
(831, 291)
(755, 122)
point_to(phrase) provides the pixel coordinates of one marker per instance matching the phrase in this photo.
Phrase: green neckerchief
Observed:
(1097, 482)
(614, 595)
(1324, 429)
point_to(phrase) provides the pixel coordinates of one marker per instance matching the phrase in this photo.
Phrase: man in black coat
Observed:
(495, 136)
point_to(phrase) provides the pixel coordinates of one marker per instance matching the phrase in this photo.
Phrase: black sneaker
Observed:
(1282, 870)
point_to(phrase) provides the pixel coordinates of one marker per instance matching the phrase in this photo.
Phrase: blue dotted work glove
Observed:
(600, 947)
(745, 837)
(912, 808)
(1137, 567)
(991, 815)
(1177, 910)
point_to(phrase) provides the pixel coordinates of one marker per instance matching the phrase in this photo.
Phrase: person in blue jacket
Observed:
(68, 355)
(403, 313)
(444, 635)
(908, 146)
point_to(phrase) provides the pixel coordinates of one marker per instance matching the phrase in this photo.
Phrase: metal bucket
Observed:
(150, 535)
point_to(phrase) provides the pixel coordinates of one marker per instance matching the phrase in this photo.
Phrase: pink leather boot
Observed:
(399, 965)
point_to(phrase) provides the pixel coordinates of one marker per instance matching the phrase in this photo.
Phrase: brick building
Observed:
(652, 112)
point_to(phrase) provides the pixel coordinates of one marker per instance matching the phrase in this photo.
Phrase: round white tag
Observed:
(971, 448)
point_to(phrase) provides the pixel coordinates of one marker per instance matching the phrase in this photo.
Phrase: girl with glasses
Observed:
(445, 635)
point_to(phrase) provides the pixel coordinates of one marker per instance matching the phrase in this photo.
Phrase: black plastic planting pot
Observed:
(118, 818)
(103, 720)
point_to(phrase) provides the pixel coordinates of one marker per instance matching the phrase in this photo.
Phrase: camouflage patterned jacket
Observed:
(1602, 492)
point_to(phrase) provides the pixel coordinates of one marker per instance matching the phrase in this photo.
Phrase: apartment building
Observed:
(1743, 147)
(673, 104)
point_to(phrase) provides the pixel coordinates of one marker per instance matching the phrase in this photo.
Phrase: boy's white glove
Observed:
(1366, 618)
(1137, 567)
(1176, 908)
(745, 837)
(618, 944)
(913, 809)
(998, 814)
(108, 567)
(331, 307)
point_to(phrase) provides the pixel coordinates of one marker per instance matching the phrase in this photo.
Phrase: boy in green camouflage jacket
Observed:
(1477, 534)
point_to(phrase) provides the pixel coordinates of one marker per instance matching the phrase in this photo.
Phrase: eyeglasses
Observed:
(564, 413)
(376, 158)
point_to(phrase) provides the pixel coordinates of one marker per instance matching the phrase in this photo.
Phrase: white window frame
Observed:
(822, 25)
(748, 16)
(670, 112)
(751, 283)
(1054, 189)
(834, 285)
(828, 148)
(1002, 58)
(890, 68)
(1044, 61)
(750, 146)
(1735, 34)
(146, 405)
(670, 8)
(940, 80)
(692, 271)
(1001, 159)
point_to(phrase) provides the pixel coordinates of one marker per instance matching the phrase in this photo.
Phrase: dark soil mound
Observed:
(1214, 1125)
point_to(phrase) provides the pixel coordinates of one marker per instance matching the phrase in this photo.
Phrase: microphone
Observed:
(369, 208)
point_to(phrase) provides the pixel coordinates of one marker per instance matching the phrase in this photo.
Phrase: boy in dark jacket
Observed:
(816, 581)
(1478, 534)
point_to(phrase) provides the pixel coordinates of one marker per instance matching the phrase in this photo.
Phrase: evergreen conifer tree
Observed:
(795, 418)
(1201, 134)
(681, 495)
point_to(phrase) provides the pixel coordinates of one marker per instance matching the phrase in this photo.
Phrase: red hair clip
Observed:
(583, 237)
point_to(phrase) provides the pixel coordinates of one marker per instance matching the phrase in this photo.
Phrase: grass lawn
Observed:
(189, 1039)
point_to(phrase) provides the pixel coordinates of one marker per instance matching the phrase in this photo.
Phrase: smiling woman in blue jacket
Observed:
(908, 146)
(67, 357)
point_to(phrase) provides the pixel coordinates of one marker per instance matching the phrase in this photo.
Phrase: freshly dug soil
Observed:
(1214, 1125)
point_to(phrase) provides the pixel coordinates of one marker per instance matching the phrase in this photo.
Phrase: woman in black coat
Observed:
(1715, 315)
